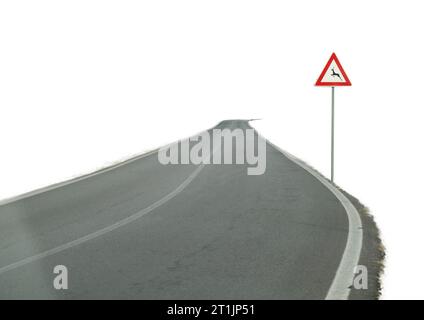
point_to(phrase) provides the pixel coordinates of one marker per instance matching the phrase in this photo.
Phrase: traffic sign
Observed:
(333, 74)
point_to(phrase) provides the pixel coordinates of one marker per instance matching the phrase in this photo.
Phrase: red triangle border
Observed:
(333, 84)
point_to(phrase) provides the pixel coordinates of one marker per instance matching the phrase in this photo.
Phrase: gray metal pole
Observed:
(332, 134)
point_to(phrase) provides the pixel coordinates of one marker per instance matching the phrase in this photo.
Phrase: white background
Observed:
(86, 83)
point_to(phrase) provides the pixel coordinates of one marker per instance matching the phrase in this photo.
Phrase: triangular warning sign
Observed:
(333, 74)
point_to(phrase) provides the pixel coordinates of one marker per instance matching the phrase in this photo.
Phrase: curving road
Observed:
(142, 230)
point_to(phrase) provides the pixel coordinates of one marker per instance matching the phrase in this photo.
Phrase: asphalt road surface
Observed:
(143, 230)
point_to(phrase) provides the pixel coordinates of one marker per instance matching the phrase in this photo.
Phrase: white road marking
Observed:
(340, 286)
(107, 229)
(67, 182)
(85, 176)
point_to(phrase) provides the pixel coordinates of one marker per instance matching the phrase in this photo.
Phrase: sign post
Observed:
(333, 76)
(332, 134)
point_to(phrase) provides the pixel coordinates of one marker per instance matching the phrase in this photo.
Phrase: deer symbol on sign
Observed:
(335, 74)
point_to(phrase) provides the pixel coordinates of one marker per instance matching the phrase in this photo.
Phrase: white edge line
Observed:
(342, 281)
(73, 180)
(89, 175)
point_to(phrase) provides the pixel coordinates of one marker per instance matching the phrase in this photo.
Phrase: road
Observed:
(143, 230)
